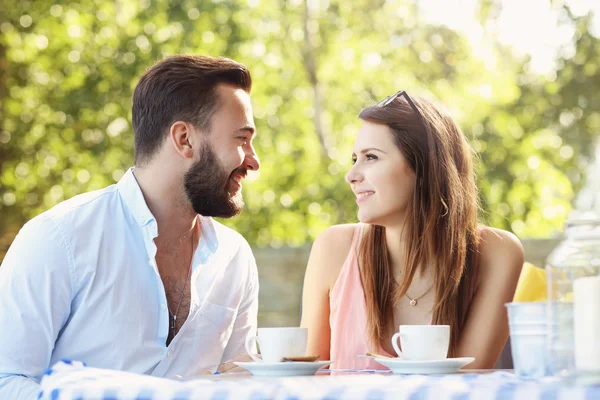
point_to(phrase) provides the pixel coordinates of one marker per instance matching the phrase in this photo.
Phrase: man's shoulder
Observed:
(52, 232)
(85, 203)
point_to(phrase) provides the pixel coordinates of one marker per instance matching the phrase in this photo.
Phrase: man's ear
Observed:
(180, 136)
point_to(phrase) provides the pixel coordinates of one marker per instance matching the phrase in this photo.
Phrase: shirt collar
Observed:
(132, 195)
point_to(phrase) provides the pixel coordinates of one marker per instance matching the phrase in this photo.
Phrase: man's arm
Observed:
(18, 387)
(35, 299)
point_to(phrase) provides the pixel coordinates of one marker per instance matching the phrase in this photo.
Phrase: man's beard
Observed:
(209, 187)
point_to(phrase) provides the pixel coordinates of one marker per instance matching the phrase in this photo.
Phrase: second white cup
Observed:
(422, 342)
(277, 343)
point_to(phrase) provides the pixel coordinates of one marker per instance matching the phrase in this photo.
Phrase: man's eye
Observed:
(243, 140)
(353, 160)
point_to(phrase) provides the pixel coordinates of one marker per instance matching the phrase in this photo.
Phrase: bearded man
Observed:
(138, 276)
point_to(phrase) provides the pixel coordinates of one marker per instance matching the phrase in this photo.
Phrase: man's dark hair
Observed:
(180, 88)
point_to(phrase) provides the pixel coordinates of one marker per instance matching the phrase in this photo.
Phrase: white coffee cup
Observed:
(422, 342)
(277, 343)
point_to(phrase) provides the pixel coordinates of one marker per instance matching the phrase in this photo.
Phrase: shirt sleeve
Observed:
(246, 321)
(35, 298)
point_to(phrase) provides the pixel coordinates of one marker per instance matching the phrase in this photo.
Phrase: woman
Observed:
(418, 256)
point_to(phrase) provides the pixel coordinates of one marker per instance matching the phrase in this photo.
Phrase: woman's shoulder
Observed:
(491, 239)
(340, 235)
(499, 251)
(335, 241)
(331, 249)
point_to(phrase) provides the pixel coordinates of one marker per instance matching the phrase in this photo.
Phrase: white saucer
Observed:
(283, 368)
(446, 366)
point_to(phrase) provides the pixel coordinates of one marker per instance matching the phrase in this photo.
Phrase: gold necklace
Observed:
(413, 302)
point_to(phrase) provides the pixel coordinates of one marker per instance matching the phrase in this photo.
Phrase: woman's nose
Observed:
(353, 176)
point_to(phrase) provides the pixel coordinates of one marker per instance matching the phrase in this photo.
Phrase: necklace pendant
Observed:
(413, 302)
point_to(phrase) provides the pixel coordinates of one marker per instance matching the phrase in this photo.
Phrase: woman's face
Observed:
(381, 178)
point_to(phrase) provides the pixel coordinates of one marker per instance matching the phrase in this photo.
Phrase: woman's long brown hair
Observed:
(440, 230)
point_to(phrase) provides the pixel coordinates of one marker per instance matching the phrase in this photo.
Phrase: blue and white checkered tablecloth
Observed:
(73, 381)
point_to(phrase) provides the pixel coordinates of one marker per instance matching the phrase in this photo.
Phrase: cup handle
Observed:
(395, 344)
(249, 346)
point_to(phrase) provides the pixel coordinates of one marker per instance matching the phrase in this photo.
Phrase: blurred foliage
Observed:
(67, 71)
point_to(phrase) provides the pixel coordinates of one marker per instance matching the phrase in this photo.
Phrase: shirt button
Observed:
(163, 307)
(169, 353)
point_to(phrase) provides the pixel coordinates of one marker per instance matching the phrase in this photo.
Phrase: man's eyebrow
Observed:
(247, 129)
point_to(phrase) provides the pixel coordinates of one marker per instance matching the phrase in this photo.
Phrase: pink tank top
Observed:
(348, 317)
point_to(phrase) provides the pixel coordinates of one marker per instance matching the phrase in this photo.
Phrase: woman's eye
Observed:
(368, 157)
(243, 140)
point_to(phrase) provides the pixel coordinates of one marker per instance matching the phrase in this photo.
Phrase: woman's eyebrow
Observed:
(363, 151)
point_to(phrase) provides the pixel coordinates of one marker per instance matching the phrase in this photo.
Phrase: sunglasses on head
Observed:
(390, 99)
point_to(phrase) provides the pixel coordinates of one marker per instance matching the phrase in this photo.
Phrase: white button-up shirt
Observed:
(80, 282)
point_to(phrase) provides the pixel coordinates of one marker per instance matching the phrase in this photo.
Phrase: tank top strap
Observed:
(356, 236)
(347, 272)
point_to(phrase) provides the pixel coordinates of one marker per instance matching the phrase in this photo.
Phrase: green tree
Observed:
(67, 72)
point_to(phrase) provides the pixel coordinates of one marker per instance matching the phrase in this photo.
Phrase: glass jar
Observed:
(575, 257)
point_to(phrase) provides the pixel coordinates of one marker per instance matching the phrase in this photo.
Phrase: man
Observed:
(137, 276)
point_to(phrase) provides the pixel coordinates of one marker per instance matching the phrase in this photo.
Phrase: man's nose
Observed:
(251, 161)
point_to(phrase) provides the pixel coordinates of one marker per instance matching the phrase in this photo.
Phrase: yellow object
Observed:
(532, 284)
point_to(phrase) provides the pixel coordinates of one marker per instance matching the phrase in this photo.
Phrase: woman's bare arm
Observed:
(486, 328)
(326, 259)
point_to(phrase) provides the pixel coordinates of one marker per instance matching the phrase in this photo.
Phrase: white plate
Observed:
(446, 366)
(283, 368)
